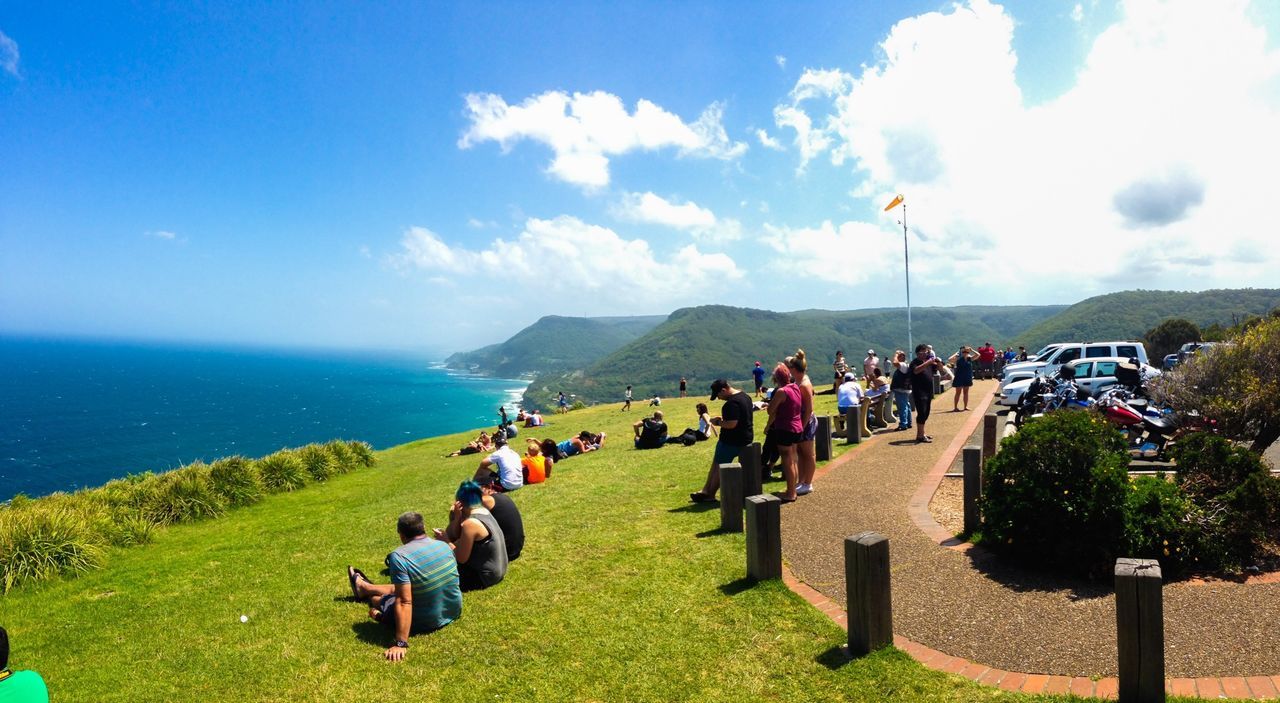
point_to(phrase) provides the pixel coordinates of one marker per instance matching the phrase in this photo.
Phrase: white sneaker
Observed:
(804, 489)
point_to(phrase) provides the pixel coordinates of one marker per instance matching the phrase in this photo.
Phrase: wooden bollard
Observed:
(852, 421)
(989, 438)
(866, 573)
(972, 488)
(1140, 630)
(752, 478)
(764, 537)
(822, 440)
(863, 410)
(731, 497)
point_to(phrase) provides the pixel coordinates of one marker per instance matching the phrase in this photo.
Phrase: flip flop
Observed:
(700, 497)
(351, 579)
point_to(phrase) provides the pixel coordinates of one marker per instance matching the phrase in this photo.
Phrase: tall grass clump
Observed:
(184, 495)
(362, 454)
(343, 457)
(318, 462)
(37, 543)
(282, 471)
(236, 479)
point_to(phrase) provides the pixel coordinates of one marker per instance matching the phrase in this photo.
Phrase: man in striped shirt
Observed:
(423, 594)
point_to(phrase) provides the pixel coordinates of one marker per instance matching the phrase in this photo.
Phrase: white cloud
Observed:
(1165, 136)
(844, 255)
(585, 129)
(9, 55)
(689, 216)
(767, 141)
(780, 60)
(1077, 13)
(573, 263)
(162, 234)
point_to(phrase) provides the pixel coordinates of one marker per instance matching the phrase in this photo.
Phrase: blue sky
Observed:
(437, 176)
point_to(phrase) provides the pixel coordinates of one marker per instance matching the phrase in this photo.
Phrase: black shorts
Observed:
(784, 438)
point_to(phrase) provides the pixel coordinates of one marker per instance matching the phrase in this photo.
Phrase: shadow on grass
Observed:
(371, 632)
(834, 658)
(715, 533)
(737, 586)
(696, 507)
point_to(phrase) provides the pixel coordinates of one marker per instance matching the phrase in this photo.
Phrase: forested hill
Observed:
(554, 343)
(708, 342)
(1129, 314)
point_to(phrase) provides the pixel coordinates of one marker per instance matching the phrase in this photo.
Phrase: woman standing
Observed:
(784, 427)
(808, 462)
(901, 387)
(963, 361)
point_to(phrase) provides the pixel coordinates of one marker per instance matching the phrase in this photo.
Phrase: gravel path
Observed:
(964, 604)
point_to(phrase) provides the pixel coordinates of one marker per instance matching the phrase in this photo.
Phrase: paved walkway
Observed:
(965, 607)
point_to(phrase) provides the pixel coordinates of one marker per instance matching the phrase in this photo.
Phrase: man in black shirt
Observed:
(922, 369)
(651, 432)
(736, 433)
(504, 510)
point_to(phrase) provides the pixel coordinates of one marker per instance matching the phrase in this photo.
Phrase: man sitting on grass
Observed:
(478, 544)
(651, 432)
(504, 510)
(509, 472)
(424, 593)
(19, 686)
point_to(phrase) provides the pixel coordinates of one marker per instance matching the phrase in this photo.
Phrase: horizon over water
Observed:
(77, 413)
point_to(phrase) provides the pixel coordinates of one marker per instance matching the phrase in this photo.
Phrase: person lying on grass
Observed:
(475, 446)
(503, 465)
(424, 593)
(478, 544)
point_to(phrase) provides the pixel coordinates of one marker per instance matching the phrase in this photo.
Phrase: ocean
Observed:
(75, 414)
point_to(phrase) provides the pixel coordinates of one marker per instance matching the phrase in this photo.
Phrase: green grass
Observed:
(624, 592)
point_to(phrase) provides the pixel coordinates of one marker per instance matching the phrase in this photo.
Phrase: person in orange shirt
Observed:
(534, 464)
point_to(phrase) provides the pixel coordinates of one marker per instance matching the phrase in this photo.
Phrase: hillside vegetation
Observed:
(554, 343)
(1129, 314)
(712, 341)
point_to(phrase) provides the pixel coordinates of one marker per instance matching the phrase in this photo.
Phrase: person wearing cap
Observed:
(758, 373)
(509, 471)
(736, 433)
(19, 686)
(849, 394)
(869, 363)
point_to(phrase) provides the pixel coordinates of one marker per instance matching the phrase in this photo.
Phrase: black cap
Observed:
(716, 386)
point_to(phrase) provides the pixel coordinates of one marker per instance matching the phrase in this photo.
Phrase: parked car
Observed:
(1049, 362)
(1190, 348)
(1091, 374)
(1170, 361)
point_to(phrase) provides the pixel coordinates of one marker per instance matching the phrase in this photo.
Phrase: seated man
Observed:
(651, 432)
(478, 544)
(19, 686)
(423, 595)
(504, 510)
(849, 395)
(534, 419)
(508, 472)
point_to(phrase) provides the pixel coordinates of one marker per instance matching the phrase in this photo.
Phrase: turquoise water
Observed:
(76, 414)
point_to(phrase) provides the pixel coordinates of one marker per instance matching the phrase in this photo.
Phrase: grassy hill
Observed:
(1129, 314)
(625, 592)
(554, 343)
(708, 342)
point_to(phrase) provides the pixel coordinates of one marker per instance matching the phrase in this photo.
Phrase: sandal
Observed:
(700, 497)
(351, 579)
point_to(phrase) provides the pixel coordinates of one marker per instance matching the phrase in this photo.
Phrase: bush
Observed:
(282, 471)
(183, 495)
(1238, 499)
(363, 454)
(318, 461)
(1159, 525)
(236, 479)
(343, 457)
(1056, 493)
(37, 543)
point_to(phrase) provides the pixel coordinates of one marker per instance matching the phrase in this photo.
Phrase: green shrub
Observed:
(1055, 493)
(318, 461)
(37, 543)
(1238, 499)
(236, 479)
(343, 458)
(282, 471)
(184, 495)
(362, 453)
(1160, 524)
(577, 405)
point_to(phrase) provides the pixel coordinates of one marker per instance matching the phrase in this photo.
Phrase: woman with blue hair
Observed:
(477, 541)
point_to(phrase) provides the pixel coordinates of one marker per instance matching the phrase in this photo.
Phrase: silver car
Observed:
(1093, 375)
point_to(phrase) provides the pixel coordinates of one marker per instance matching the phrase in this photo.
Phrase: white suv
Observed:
(1055, 355)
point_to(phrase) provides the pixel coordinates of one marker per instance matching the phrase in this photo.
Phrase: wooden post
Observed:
(989, 438)
(863, 411)
(752, 478)
(731, 497)
(1140, 630)
(822, 440)
(866, 572)
(852, 421)
(764, 537)
(972, 488)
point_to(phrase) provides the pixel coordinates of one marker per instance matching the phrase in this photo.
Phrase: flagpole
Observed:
(906, 262)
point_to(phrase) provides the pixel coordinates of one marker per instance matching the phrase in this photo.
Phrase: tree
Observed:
(1166, 337)
(1237, 384)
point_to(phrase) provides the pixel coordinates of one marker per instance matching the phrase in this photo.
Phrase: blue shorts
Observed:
(726, 453)
(811, 429)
